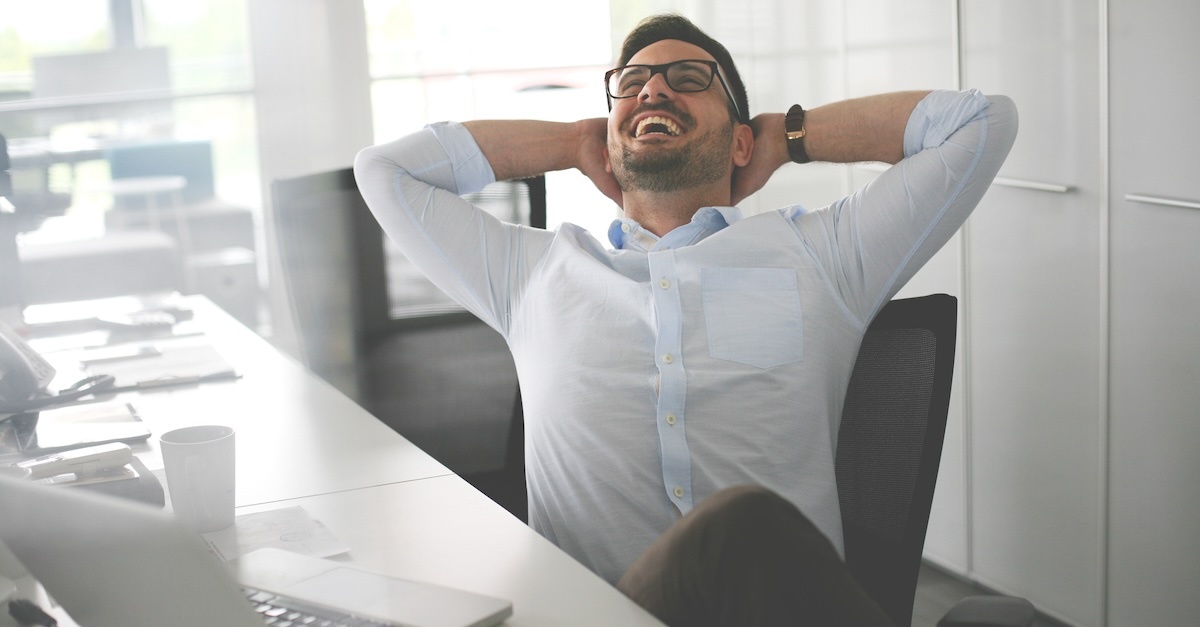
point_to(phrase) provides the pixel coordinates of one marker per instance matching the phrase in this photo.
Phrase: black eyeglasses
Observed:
(684, 76)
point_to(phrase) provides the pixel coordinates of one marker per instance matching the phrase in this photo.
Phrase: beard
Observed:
(704, 160)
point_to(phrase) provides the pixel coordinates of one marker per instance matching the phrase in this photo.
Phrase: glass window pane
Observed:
(42, 28)
(108, 138)
(229, 123)
(399, 107)
(207, 41)
(417, 37)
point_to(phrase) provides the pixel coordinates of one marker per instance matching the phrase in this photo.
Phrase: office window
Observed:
(537, 59)
(149, 98)
(78, 77)
(207, 39)
(208, 43)
(46, 27)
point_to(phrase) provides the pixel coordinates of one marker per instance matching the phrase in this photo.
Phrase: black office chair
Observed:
(438, 376)
(888, 453)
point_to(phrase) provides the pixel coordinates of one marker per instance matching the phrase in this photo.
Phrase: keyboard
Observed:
(279, 611)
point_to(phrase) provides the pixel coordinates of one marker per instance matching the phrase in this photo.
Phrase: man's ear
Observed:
(743, 144)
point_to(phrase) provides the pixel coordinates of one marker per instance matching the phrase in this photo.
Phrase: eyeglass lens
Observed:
(682, 76)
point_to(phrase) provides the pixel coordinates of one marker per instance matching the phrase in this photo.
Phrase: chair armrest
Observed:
(989, 611)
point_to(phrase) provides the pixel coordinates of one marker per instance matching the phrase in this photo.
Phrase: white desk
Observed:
(444, 531)
(296, 435)
(301, 442)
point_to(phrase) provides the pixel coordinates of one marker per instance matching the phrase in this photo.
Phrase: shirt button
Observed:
(667, 358)
(671, 419)
(678, 492)
(664, 284)
(625, 228)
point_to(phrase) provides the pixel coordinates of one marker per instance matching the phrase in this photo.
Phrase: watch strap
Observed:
(794, 125)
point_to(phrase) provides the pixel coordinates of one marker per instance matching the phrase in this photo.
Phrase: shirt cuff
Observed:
(938, 116)
(472, 172)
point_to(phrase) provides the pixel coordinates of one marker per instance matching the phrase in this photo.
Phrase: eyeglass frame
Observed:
(661, 68)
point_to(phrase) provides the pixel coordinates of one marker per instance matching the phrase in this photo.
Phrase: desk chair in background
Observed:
(216, 238)
(888, 453)
(365, 321)
(114, 265)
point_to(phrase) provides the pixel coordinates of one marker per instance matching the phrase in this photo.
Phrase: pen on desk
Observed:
(107, 355)
(28, 613)
(163, 382)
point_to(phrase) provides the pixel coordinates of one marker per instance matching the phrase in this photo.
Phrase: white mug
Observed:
(199, 463)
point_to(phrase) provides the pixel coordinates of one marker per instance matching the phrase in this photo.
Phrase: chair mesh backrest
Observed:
(890, 443)
(883, 429)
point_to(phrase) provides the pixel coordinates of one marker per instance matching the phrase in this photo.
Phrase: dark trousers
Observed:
(746, 557)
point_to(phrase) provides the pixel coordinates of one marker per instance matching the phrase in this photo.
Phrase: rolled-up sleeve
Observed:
(413, 186)
(873, 241)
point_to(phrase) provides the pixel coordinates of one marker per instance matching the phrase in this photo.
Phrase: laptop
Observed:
(112, 562)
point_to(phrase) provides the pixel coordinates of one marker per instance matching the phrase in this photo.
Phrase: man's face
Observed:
(662, 140)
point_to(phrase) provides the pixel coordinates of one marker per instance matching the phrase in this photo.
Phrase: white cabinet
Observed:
(1071, 467)
(1035, 299)
(1154, 514)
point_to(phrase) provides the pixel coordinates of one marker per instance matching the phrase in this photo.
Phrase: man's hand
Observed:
(770, 152)
(592, 157)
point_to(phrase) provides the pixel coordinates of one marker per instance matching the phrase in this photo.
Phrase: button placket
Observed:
(676, 458)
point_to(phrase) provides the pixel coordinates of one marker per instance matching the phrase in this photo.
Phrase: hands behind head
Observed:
(770, 152)
(592, 157)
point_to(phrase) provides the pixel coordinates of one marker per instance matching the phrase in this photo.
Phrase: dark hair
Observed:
(672, 26)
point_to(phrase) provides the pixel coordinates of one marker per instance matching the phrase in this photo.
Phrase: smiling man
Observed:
(682, 389)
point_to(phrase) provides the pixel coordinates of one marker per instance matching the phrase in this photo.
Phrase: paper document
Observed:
(289, 528)
(153, 364)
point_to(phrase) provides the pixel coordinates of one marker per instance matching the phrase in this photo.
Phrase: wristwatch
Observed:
(794, 124)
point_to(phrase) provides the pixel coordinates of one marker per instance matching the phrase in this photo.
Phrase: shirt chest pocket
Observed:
(753, 315)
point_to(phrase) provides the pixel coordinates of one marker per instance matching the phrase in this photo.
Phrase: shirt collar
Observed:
(627, 234)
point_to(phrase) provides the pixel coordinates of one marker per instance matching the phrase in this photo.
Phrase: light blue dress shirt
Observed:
(661, 370)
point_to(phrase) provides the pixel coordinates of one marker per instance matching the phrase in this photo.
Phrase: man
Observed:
(705, 351)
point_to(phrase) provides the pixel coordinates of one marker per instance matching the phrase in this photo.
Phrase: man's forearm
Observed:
(860, 129)
(850, 131)
(523, 148)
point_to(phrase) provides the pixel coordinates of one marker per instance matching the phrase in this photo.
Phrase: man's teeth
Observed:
(665, 125)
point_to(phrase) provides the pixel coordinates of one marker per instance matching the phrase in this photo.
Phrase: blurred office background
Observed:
(151, 130)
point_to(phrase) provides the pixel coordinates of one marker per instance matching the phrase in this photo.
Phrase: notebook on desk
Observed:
(110, 563)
